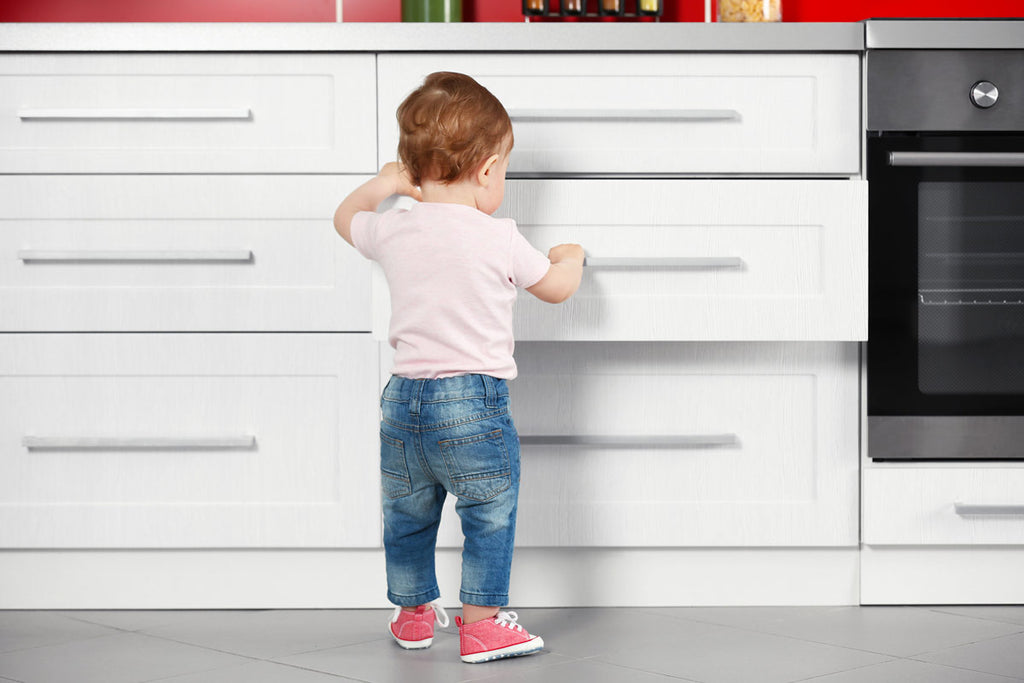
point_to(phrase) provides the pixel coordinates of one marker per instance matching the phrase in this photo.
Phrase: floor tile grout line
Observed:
(971, 616)
(64, 642)
(846, 647)
(960, 668)
(856, 668)
(789, 637)
(953, 647)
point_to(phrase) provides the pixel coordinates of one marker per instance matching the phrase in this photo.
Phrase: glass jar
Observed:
(535, 7)
(649, 8)
(750, 10)
(432, 10)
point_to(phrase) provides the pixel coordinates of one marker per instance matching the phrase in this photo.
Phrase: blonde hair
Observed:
(449, 126)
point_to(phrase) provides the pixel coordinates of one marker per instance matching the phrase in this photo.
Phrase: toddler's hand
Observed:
(566, 253)
(395, 173)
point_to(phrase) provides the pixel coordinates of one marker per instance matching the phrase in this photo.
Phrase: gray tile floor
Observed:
(710, 645)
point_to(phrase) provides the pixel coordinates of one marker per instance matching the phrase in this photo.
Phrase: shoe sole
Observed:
(412, 644)
(528, 648)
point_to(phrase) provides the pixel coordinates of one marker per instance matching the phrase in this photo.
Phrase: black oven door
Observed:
(945, 351)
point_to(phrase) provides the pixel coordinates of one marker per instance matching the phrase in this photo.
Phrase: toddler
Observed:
(452, 270)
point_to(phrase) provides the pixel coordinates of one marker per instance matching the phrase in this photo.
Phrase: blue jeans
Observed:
(439, 436)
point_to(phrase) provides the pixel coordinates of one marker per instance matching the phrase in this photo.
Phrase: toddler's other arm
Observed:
(563, 276)
(392, 179)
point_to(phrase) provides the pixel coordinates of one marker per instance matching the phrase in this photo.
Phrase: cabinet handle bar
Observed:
(641, 441)
(96, 443)
(223, 114)
(982, 509)
(29, 255)
(716, 262)
(553, 115)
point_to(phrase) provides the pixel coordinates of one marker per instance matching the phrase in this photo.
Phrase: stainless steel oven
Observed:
(945, 352)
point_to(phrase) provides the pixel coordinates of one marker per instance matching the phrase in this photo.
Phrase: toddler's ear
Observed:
(486, 172)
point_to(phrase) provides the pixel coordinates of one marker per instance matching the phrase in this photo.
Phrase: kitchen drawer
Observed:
(656, 114)
(188, 440)
(187, 113)
(701, 260)
(685, 445)
(967, 505)
(178, 252)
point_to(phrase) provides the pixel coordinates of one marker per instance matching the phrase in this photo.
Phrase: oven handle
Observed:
(956, 159)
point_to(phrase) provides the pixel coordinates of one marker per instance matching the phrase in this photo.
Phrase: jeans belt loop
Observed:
(414, 396)
(490, 392)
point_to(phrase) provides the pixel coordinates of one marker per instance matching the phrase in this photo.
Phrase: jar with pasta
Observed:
(750, 10)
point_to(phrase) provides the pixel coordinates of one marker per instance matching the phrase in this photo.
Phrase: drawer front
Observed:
(183, 113)
(189, 253)
(685, 445)
(700, 260)
(647, 114)
(944, 506)
(187, 440)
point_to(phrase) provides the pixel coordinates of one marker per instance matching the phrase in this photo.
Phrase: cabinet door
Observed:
(178, 253)
(645, 114)
(188, 440)
(187, 113)
(685, 445)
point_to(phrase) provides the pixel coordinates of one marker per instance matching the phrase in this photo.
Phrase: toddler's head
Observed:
(449, 126)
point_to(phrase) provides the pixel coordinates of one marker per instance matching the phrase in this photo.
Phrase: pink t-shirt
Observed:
(453, 272)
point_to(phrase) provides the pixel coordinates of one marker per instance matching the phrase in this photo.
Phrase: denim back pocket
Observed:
(394, 471)
(477, 465)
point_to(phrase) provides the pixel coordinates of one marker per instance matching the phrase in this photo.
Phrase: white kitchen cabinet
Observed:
(656, 114)
(187, 113)
(188, 441)
(695, 260)
(178, 252)
(944, 506)
(692, 444)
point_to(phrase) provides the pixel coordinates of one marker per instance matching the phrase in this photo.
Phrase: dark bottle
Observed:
(573, 8)
(612, 8)
(535, 7)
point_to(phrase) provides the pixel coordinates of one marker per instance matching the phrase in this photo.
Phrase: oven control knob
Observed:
(984, 94)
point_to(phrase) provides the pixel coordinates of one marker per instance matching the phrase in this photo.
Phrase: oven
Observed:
(945, 351)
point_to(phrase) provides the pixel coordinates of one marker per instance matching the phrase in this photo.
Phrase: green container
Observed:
(432, 10)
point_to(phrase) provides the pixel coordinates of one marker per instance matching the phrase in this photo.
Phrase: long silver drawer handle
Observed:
(956, 159)
(98, 442)
(543, 115)
(982, 509)
(642, 441)
(223, 114)
(697, 262)
(28, 255)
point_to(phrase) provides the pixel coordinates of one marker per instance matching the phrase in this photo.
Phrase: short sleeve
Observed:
(364, 233)
(528, 264)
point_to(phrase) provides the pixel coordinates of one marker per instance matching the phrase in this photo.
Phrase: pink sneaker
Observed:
(415, 630)
(495, 638)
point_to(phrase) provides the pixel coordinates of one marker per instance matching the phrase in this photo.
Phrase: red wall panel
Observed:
(693, 10)
(170, 10)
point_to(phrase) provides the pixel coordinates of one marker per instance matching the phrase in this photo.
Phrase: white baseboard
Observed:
(254, 579)
(942, 575)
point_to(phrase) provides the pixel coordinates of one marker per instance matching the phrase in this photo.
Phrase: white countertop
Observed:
(398, 37)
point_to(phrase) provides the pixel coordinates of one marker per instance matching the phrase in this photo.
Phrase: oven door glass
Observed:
(946, 315)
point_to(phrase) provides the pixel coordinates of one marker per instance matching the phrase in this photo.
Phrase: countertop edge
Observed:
(944, 34)
(399, 37)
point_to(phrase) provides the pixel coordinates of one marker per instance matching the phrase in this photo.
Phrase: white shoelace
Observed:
(439, 614)
(508, 620)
